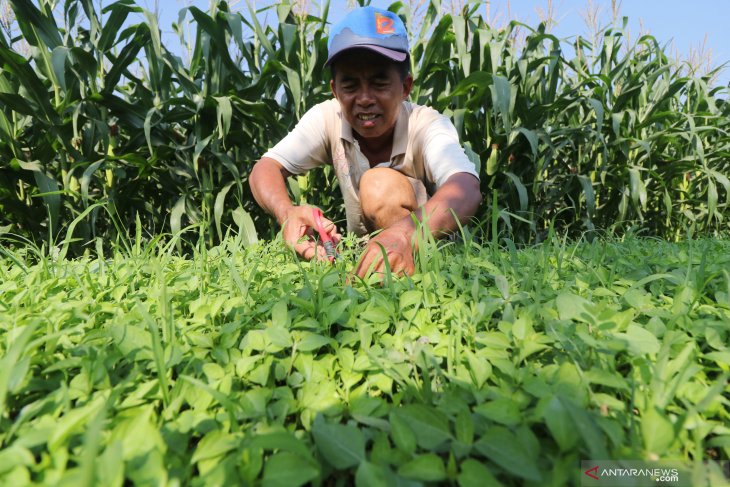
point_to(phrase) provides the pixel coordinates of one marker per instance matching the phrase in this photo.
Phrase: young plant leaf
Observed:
(343, 446)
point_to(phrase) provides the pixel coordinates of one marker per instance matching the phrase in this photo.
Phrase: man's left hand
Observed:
(396, 240)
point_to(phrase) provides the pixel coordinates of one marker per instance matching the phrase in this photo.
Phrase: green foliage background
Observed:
(583, 136)
(237, 364)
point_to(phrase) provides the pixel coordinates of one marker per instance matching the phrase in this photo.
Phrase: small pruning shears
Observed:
(327, 242)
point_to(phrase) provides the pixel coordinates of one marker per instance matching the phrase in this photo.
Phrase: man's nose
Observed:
(365, 96)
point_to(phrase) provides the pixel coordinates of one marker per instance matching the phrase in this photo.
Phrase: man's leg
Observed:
(386, 196)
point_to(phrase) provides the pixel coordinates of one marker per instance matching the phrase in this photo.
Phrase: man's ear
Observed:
(407, 86)
(332, 87)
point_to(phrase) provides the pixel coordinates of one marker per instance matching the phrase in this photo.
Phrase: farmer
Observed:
(393, 159)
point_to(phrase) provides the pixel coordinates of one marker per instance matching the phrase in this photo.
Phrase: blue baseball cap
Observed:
(371, 28)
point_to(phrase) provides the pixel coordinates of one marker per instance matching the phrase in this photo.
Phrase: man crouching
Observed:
(393, 159)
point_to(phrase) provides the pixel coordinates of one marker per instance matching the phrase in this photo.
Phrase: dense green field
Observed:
(242, 365)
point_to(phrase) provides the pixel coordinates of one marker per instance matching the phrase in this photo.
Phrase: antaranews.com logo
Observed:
(634, 473)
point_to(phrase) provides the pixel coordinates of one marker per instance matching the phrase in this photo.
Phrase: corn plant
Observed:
(583, 135)
(608, 138)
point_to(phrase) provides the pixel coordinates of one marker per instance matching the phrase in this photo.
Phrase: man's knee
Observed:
(385, 195)
(382, 185)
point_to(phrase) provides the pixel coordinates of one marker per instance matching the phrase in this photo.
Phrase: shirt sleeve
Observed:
(305, 147)
(443, 154)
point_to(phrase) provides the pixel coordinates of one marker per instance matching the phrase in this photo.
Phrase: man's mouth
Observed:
(367, 116)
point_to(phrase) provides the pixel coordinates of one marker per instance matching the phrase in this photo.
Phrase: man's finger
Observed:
(371, 261)
(331, 230)
(308, 250)
(305, 250)
(363, 264)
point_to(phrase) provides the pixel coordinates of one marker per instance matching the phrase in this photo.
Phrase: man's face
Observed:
(370, 91)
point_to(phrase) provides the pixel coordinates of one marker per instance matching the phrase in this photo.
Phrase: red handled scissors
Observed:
(327, 242)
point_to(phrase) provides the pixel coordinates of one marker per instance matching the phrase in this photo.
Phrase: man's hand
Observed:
(268, 186)
(298, 229)
(396, 240)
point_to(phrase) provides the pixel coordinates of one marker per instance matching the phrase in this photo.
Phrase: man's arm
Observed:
(268, 185)
(459, 193)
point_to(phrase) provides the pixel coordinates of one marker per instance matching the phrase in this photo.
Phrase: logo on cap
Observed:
(383, 24)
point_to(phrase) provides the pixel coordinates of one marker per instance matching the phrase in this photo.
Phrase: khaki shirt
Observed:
(426, 148)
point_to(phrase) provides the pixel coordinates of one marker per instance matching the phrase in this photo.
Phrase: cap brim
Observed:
(398, 56)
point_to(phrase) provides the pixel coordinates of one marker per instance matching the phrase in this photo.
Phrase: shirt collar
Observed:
(400, 135)
(346, 132)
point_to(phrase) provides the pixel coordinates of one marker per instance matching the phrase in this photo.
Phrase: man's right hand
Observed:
(298, 230)
(268, 185)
